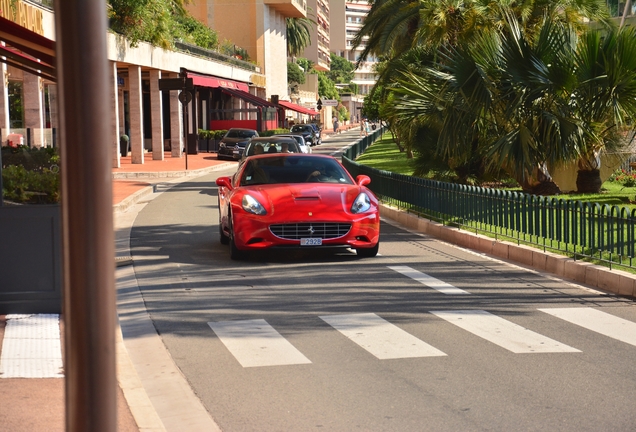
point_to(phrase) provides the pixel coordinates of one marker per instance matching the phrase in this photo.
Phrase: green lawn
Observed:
(385, 155)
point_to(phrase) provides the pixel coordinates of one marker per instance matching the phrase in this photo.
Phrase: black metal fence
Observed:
(582, 230)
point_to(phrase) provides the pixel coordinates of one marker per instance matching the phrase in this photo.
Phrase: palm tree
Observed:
(389, 27)
(505, 97)
(605, 97)
(393, 26)
(298, 35)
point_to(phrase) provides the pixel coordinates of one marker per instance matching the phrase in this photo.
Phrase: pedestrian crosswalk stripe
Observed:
(427, 280)
(499, 331)
(31, 347)
(379, 337)
(255, 343)
(598, 321)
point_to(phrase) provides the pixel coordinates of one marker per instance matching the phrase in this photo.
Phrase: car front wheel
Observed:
(225, 239)
(235, 253)
(368, 252)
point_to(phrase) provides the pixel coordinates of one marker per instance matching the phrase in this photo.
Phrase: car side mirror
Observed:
(362, 180)
(225, 182)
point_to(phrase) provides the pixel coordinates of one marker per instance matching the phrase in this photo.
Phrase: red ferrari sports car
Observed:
(297, 200)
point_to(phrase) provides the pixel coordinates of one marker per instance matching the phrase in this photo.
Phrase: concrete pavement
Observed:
(152, 394)
(37, 404)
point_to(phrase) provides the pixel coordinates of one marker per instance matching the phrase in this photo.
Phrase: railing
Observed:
(629, 164)
(193, 49)
(581, 230)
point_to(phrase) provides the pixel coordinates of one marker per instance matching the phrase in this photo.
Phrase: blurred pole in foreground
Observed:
(89, 310)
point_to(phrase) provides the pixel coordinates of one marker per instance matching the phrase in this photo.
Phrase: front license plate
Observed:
(310, 241)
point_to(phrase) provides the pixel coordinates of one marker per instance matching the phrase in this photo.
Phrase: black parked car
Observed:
(307, 131)
(233, 143)
(273, 144)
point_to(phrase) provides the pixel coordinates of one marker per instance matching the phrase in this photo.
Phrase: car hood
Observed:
(290, 202)
(233, 141)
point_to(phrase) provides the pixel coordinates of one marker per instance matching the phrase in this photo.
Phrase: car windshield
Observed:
(301, 128)
(239, 134)
(293, 169)
(300, 140)
(271, 146)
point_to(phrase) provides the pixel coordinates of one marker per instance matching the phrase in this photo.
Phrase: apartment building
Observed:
(346, 21)
(259, 27)
(319, 50)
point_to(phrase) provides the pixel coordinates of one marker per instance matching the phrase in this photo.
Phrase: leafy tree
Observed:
(295, 75)
(341, 70)
(371, 105)
(143, 20)
(342, 112)
(306, 64)
(158, 22)
(192, 31)
(326, 88)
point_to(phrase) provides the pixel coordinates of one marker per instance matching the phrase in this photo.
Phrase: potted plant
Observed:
(218, 136)
(123, 144)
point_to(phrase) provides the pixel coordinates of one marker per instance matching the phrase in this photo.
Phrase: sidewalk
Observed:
(131, 178)
(37, 404)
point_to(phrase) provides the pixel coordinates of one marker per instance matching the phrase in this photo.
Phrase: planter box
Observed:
(30, 252)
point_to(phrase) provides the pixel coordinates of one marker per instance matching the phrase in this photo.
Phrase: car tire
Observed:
(225, 239)
(368, 252)
(235, 253)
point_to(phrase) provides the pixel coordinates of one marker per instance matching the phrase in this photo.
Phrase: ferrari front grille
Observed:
(310, 230)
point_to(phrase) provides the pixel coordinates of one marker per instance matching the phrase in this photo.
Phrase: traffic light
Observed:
(319, 104)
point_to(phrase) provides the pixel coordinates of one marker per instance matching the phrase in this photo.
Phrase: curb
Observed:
(174, 176)
(154, 396)
(611, 281)
(170, 174)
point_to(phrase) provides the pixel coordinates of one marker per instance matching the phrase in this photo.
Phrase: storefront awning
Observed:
(27, 50)
(297, 108)
(248, 97)
(214, 82)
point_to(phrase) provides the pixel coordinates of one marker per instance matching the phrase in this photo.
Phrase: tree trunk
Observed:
(545, 188)
(588, 181)
(588, 178)
(540, 182)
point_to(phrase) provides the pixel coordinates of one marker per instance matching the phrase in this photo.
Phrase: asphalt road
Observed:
(424, 337)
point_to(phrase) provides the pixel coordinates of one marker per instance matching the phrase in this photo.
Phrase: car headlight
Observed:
(251, 205)
(361, 204)
(221, 144)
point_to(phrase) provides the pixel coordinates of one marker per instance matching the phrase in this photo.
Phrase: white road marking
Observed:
(379, 337)
(427, 280)
(499, 331)
(598, 321)
(255, 343)
(31, 347)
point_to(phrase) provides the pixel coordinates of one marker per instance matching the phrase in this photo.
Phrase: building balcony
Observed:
(289, 8)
